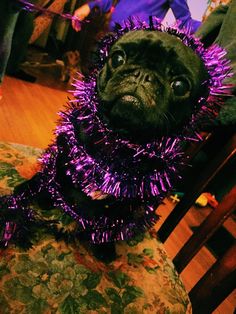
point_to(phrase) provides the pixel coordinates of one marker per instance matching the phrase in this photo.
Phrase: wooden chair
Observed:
(219, 280)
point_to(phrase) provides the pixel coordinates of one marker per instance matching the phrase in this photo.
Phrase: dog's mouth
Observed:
(129, 100)
(124, 115)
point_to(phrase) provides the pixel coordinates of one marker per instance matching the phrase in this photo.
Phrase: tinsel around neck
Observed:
(122, 178)
(114, 165)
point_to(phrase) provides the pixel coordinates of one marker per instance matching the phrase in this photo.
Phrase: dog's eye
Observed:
(117, 59)
(180, 87)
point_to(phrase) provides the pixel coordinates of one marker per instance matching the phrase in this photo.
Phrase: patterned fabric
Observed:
(56, 277)
(42, 22)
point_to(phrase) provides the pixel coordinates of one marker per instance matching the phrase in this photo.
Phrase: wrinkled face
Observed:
(150, 84)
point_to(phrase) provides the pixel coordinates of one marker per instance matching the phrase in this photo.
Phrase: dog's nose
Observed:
(144, 77)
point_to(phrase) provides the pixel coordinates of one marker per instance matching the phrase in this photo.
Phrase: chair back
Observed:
(219, 281)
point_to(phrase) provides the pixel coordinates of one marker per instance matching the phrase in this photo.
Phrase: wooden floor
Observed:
(28, 115)
(28, 112)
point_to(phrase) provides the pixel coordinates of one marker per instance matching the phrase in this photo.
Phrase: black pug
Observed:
(150, 84)
(148, 88)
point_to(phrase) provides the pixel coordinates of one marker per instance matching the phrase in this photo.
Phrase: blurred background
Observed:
(56, 50)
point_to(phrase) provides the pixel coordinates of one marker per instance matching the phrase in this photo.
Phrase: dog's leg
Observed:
(105, 252)
(42, 198)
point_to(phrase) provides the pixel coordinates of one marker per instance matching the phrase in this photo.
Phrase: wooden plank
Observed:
(216, 284)
(206, 230)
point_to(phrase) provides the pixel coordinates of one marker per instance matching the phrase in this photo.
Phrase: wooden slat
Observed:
(206, 230)
(215, 285)
(211, 169)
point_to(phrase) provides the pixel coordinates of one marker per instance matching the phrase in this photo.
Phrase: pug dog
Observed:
(148, 88)
(150, 84)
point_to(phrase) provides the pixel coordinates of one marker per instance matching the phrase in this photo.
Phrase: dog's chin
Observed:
(122, 115)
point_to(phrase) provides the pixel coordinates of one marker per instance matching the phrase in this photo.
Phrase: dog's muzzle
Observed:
(129, 101)
(125, 114)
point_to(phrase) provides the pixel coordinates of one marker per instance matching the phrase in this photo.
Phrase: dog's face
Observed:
(150, 84)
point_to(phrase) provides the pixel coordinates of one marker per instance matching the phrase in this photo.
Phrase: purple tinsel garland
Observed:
(104, 170)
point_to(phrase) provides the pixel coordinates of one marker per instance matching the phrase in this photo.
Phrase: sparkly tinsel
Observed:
(104, 170)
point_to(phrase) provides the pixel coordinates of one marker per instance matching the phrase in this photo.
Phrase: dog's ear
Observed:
(103, 78)
(200, 77)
